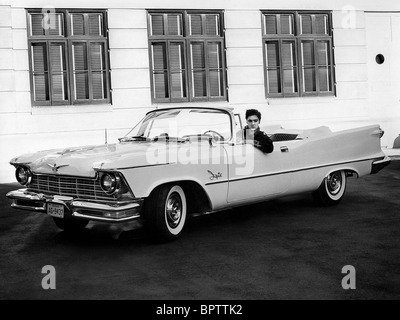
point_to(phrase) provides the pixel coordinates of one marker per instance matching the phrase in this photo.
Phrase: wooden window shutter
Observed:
(177, 70)
(95, 22)
(212, 25)
(198, 69)
(175, 24)
(214, 51)
(57, 28)
(321, 24)
(195, 24)
(270, 24)
(157, 24)
(308, 62)
(273, 67)
(80, 70)
(58, 71)
(98, 70)
(78, 24)
(160, 74)
(40, 72)
(36, 26)
(289, 66)
(286, 24)
(306, 24)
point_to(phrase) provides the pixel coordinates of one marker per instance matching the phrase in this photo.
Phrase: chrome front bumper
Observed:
(77, 208)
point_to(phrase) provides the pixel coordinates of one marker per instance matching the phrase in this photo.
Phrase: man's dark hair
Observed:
(253, 112)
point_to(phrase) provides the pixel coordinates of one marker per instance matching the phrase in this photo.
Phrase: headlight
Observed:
(23, 175)
(109, 182)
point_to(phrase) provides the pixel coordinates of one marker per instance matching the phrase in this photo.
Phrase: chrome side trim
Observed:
(145, 166)
(291, 171)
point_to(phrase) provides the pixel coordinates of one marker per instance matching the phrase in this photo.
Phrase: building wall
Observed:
(383, 37)
(24, 128)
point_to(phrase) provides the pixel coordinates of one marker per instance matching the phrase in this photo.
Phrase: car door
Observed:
(256, 175)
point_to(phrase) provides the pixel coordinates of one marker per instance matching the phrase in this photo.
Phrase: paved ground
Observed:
(284, 249)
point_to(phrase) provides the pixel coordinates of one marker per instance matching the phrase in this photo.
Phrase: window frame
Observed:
(298, 38)
(187, 39)
(69, 40)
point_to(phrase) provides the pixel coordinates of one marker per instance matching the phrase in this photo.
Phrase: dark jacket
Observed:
(261, 140)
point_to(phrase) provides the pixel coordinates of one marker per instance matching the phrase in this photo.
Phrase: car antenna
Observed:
(105, 135)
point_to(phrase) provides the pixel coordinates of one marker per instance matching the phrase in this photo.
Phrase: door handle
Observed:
(284, 149)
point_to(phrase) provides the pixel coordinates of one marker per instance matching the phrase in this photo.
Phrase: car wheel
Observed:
(332, 189)
(165, 212)
(70, 225)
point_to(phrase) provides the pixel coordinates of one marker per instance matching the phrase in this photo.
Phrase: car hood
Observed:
(82, 161)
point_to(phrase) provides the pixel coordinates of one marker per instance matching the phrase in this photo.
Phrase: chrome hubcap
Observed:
(173, 210)
(334, 183)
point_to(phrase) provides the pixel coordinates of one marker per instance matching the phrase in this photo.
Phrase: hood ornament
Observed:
(55, 168)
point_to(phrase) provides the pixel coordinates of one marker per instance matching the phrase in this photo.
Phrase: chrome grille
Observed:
(83, 188)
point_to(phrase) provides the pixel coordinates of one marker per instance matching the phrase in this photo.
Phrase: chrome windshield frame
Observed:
(222, 110)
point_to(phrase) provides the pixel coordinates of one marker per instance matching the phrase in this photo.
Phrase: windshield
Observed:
(182, 124)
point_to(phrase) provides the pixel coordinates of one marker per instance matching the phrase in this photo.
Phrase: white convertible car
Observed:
(181, 161)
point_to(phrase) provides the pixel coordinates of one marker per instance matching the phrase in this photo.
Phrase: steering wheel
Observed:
(214, 134)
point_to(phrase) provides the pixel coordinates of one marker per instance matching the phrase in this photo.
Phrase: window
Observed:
(69, 58)
(298, 56)
(187, 56)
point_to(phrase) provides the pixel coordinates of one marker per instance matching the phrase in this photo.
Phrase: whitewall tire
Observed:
(166, 211)
(332, 189)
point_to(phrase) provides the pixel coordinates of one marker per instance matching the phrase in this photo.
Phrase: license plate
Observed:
(55, 210)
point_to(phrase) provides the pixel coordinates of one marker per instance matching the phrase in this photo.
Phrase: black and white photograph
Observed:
(199, 155)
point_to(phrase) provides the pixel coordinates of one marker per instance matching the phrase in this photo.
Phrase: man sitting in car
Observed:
(252, 133)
